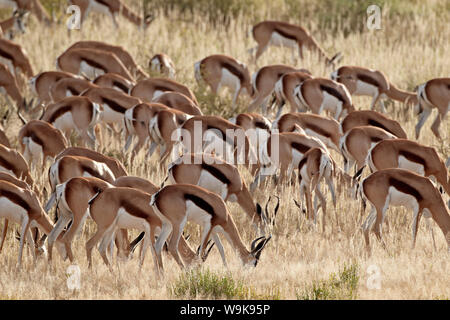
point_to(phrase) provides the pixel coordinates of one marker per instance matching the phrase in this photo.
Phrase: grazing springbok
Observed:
(219, 71)
(33, 6)
(40, 140)
(290, 148)
(179, 203)
(315, 166)
(91, 63)
(372, 118)
(282, 34)
(219, 176)
(357, 142)
(162, 63)
(407, 154)
(321, 94)
(123, 55)
(263, 82)
(179, 101)
(75, 113)
(401, 187)
(9, 87)
(362, 81)
(23, 207)
(15, 58)
(128, 208)
(115, 81)
(150, 89)
(67, 87)
(434, 93)
(284, 91)
(42, 82)
(111, 8)
(324, 128)
(14, 163)
(14, 25)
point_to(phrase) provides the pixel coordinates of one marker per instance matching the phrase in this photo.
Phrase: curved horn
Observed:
(275, 211)
(253, 245)
(261, 246)
(136, 241)
(208, 251)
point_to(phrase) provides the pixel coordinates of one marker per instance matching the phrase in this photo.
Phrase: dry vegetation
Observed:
(298, 262)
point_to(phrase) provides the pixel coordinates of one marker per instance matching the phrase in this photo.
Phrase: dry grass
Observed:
(298, 260)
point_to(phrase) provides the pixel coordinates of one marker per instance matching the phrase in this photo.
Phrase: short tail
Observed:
(198, 72)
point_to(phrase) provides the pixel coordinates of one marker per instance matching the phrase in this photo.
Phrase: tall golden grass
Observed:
(411, 47)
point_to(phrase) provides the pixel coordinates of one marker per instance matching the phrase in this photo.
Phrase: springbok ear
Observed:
(136, 241)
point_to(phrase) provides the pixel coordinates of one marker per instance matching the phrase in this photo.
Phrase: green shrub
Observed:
(207, 284)
(342, 286)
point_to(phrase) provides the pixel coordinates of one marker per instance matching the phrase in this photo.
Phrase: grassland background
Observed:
(299, 262)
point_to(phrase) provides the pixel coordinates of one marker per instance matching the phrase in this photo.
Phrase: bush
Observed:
(338, 287)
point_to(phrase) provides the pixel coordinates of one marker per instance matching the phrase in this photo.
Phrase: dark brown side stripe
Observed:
(94, 64)
(233, 70)
(301, 164)
(224, 137)
(6, 55)
(300, 147)
(285, 34)
(375, 139)
(262, 125)
(114, 105)
(333, 92)
(73, 91)
(216, 173)
(5, 164)
(36, 139)
(405, 188)
(59, 112)
(412, 157)
(91, 171)
(367, 79)
(121, 86)
(199, 202)
(15, 198)
(318, 129)
(135, 210)
(379, 125)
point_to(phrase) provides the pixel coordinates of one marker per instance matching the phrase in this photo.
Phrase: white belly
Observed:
(217, 145)
(11, 211)
(329, 103)
(296, 157)
(2, 169)
(410, 165)
(9, 64)
(211, 183)
(98, 7)
(64, 122)
(196, 214)
(108, 115)
(398, 198)
(365, 89)
(157, 93)
(280, 41)
(32, 149)
(90, 71)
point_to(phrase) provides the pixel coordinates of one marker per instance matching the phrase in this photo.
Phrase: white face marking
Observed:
(196, 214)
(410, 165)
(11, 211)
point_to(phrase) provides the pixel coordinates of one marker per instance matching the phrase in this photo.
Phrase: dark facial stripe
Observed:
(121, 86)
(94, 64)
(233, 70)
(114, 105)
(333, 92)
(15, 198)
(216, 173)
(367, 79)
(412, 157)
(379, 125)
(405, 188)
(300, 147)
(58, 113)
(199, 202)
(285, 34)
